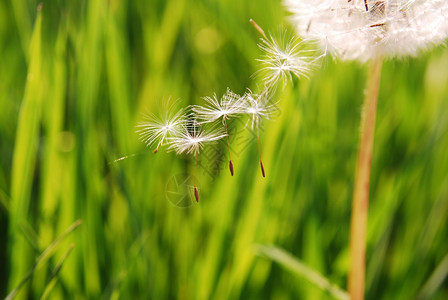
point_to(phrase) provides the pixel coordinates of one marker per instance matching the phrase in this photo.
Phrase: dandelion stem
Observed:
(228, 147)
(358, 223)
(258, 28)
(196, 193)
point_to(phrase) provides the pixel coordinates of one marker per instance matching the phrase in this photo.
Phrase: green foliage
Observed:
(77, 76)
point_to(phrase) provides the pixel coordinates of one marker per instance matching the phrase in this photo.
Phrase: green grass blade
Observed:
(45, 255)
(295, 265)
(435, 280)
(53, 278)
(24, 156)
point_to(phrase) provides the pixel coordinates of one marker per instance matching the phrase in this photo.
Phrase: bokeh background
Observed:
(76, 77)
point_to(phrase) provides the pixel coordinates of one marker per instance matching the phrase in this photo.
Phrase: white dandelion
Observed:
(361, 30)
(229, 105)
(157, 129)
(369, 31)
(191, 140)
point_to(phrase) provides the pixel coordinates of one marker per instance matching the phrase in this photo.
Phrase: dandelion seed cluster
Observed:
(360, 30)
(187, 133)
(191, 138)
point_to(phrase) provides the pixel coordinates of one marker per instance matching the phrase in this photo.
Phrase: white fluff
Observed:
(349, 31)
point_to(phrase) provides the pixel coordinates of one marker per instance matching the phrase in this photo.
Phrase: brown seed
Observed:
(262, 169)
(155, 150)
(196, 194)
(231, 167)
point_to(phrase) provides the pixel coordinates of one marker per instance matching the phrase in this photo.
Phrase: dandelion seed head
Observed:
(282, 61)
(214, 109)
(393, 28)
(192, 137)
(259, 107)
(157, 128)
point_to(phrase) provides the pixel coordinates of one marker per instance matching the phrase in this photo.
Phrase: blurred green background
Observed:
(76, 78)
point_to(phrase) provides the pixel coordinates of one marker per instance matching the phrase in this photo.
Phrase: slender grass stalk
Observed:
(435, 280)
(298, 267)
(25, 155)
(360, 204)
(4, 200)
(53, 277)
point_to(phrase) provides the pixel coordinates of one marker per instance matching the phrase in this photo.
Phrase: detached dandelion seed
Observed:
(156, 130)
(191, 140)
(282, 60)
(228, 106)
(280, 63)
(259, 107)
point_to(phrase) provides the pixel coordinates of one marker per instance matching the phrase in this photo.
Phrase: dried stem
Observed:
(358, 223)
